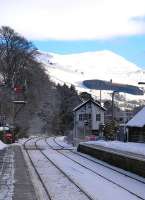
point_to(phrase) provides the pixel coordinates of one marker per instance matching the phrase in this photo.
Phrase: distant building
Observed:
(136, 127)
(88, 119)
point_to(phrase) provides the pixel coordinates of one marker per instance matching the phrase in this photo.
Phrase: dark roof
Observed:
(89, 100)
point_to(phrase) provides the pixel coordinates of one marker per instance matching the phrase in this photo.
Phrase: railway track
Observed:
(37, 147)
(141, 180)
(64, 153)
(27, 149)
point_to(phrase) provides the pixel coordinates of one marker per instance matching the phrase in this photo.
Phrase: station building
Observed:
(136, 127)
(88, 120)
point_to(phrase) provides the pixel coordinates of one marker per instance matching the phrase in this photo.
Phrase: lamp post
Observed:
(113, 93)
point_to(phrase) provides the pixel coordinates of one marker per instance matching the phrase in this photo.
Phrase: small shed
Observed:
(88, 119)
(136, 127)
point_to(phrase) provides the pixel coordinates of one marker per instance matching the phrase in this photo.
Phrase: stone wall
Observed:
(136, 166)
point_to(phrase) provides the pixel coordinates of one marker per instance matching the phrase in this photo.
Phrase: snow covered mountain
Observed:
(103, 65)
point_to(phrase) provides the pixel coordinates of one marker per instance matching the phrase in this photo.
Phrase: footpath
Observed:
(15, 180)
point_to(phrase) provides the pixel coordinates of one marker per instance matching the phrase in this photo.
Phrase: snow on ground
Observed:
(103, 65)
(137, 148)
(7, 175)
(63, 142)
(116, 177)
(23, 140)
(58, 185)
(95, 185)
(2, 145)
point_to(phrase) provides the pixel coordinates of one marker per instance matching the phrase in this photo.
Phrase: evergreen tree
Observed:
(110, 130)
(84, 96)
(69, 99)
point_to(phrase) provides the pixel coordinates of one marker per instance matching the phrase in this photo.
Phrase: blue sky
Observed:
(132, 48)
(73, 26)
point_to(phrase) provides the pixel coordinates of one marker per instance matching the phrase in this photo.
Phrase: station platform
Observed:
(23, 187)
(18, 183)
(123, 159)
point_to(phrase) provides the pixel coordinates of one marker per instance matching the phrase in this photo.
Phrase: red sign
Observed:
(18, 88)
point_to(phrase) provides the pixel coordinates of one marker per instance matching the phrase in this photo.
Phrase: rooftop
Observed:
(138, 120)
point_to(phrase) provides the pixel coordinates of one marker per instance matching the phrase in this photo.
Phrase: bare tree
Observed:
(16, 56)
(19, 66)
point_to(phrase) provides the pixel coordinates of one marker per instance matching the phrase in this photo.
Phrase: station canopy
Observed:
(109, 85)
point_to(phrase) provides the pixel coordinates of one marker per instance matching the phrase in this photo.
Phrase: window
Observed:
(80, 117)
(98, 117)
(84, 117)
(89, 116)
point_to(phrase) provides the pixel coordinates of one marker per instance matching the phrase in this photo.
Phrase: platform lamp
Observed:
(113, 93)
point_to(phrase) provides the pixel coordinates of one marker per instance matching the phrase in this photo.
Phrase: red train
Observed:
(8, 137)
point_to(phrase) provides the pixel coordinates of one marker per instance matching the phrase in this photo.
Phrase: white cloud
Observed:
(73, 19)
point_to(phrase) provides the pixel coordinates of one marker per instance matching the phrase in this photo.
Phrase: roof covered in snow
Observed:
(138, 120)
(88, 101)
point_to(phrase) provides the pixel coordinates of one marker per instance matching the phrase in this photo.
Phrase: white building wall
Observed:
(81, 129)
(93, 110)
(83, 110)
(96, 124)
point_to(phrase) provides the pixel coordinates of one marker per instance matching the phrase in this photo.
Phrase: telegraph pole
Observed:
(113, 93)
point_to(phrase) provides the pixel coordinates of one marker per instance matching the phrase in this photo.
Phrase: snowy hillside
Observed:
(103, 65)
